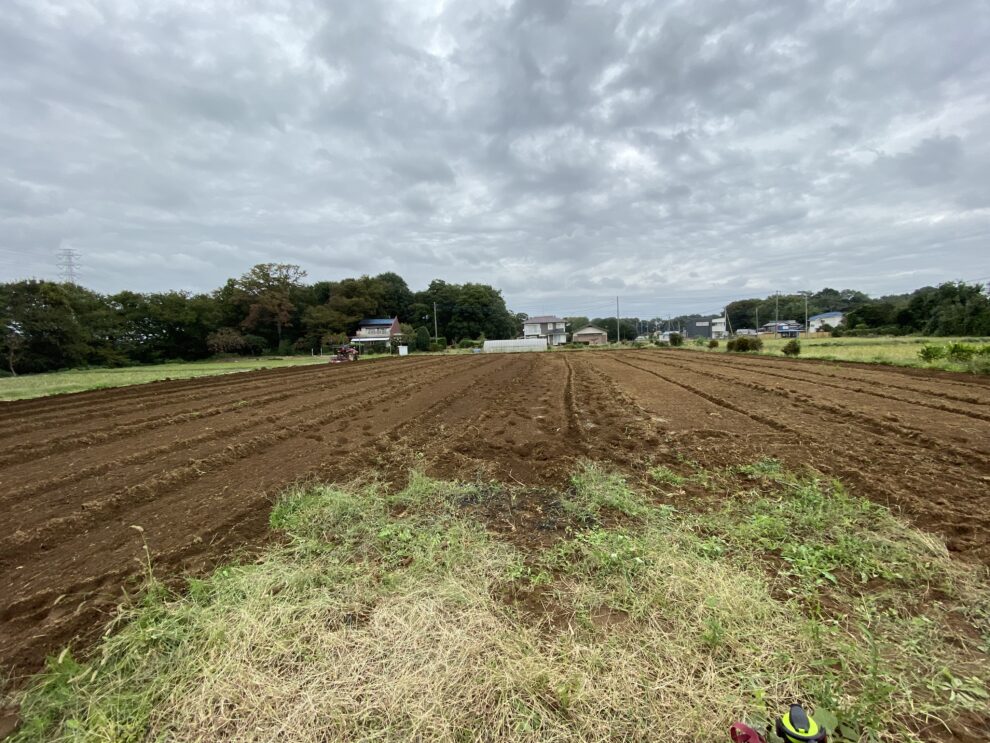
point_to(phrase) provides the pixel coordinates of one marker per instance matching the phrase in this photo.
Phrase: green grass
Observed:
(897, 351)
(396, 616)
(78, 380)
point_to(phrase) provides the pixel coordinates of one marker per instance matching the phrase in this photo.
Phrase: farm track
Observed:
(196, 463)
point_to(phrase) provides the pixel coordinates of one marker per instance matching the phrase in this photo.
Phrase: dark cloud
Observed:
(678, 154)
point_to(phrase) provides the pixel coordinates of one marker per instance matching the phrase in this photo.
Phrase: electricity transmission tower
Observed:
(67, 264)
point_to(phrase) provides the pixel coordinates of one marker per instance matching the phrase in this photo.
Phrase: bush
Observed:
(676, 339)
(961, 352)
(932, 353)
(744, 344)
(225, 340)
(663, 344)
(699, 341)
(422, 339)
(437, 347)
(792, 347)
(713, 343)
(255, 344)
(467, 343)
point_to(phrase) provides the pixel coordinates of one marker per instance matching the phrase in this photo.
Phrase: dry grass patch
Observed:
(384, 617)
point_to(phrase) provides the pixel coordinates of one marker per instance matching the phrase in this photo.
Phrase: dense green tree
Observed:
(266, 291)
(42, 325)
(464, 311)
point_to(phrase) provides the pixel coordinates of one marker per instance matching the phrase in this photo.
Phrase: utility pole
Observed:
(757, 320)
(776, 314)
(67, 264)
(806, 314)
(618, 330)
(436, 333)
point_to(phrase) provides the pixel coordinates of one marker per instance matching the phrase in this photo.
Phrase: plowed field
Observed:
(195, 464)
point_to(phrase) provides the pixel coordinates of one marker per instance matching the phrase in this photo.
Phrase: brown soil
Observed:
(196, 463)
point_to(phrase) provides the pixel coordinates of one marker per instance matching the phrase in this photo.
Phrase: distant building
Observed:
(784, 328)
(377, 330)
(714, 327)
(832, 319)
(551, 327)
(718, 327)
(593, 336)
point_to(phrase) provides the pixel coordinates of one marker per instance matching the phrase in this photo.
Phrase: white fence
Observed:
(517, 345)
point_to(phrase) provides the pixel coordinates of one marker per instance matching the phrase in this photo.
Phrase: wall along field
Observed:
(552, 546)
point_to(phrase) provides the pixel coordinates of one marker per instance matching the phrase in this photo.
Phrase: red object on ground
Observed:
(742, 733)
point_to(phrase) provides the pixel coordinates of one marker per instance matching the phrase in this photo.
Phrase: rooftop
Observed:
(544, 318)
(589, 329)
(375, 321)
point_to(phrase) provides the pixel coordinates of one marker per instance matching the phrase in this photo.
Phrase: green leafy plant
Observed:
(792, 347)
(745, 343)
(932, 353)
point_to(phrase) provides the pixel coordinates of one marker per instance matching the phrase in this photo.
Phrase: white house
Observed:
(718, 327)
(832, 319)
(551, 327)
(380, 330)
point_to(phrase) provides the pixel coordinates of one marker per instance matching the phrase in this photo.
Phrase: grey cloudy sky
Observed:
(676, 153)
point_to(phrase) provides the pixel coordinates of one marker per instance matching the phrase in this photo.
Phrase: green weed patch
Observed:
(394, 616)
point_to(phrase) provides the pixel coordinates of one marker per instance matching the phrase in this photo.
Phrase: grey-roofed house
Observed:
(551, 327)
(784, 328)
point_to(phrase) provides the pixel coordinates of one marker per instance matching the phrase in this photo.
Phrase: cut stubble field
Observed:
(197, 465)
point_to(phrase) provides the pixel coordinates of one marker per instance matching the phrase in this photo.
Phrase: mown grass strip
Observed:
(393, 616)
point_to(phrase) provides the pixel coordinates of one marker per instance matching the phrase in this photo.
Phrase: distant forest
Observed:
(45, 326)
(270, 309)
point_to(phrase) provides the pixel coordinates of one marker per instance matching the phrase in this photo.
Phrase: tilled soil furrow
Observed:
(956, 386)
(164, 409)
(978, 410)
(880, 424)
(951, 500)
(104, 501)
(196, 463)
(192, 510)
(96, 460)
(720, 401)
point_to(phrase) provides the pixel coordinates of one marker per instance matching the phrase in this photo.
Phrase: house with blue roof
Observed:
(832, 319)
(377, 330)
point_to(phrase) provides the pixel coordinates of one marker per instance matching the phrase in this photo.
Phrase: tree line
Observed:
(45, 326)
(950, 309)
(954, 308)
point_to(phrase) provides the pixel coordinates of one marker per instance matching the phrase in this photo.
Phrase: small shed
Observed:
(590, 334)
(516, 345)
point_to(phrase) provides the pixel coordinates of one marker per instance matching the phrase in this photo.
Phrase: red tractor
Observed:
(345, 353)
